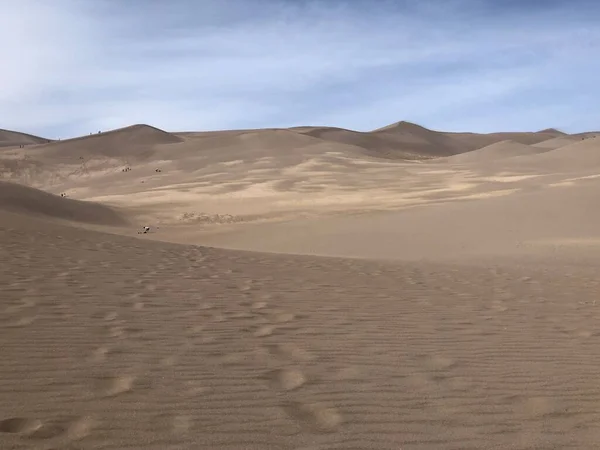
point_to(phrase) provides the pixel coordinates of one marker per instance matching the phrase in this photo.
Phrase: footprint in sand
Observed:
(287, 379)
(317, 416)
(74, 428)
(110, 316)
(283, 317)
(292, 352)
(257, 306)
(437, 362)
(195, 329)
(240, 315)
(246, 287)
(116, 331)
(264, 331)
(585, 334)
(146, 284)
(19, 425)
(206, 306)
(79, 428)
(115, 385)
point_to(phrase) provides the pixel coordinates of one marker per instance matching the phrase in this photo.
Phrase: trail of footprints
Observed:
(69, 428)
(291, 377)
(282, 363)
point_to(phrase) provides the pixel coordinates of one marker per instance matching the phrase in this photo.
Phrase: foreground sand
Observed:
(114, 342)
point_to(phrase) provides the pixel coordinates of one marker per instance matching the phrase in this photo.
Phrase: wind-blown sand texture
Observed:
(437, 299)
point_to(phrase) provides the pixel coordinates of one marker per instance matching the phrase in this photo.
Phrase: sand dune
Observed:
(135, 142)
(259, 142)
(30, 201)
(441, 304)
(15, 139)
(475, 141)
(50, 165)
(143, 143)
(460, 142)
(498, 150)
(251, 174)
(581, 155)
(391, 143)
(552, 131)
(554, 143)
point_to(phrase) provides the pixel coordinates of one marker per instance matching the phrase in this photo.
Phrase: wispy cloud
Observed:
(76, 66)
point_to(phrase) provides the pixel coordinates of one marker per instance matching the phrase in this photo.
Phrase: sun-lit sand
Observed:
(303, 288)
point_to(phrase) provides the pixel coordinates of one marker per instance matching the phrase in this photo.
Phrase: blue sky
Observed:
(71, 67)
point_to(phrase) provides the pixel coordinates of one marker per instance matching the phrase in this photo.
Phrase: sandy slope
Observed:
(582, 155)
(248, 174)
(31, 201)
(406, 141)
(113, 342)
(519, 220)
(561, 141)
(15, 139)
(478, 331)
(498, 150)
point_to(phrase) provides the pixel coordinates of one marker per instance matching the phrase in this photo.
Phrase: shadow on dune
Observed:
(30, 201)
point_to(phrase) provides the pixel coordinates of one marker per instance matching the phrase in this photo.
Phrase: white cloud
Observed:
(80, 65)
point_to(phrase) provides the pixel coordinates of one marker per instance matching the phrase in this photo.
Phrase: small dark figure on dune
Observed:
(145, 230)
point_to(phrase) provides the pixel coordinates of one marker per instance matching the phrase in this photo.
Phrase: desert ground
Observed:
(307, 288)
